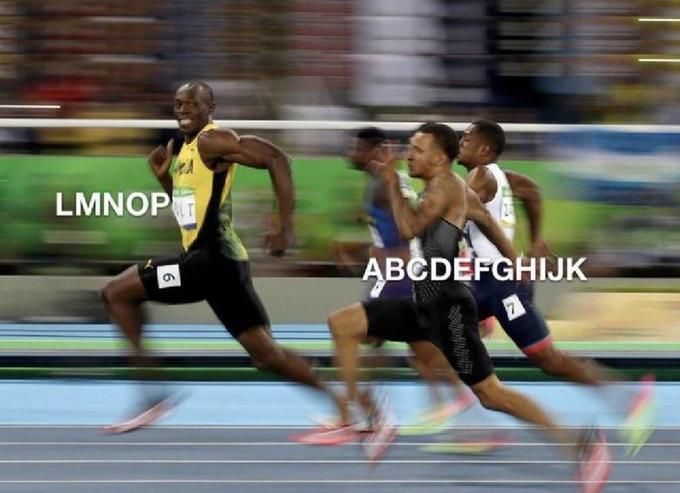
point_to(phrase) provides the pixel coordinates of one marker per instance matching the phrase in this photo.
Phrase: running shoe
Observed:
(595, 462)
(385, 431)
(328, 435)
(639, 423)
(436, 418)
(468, 445)
(361, 425)
(152, 412)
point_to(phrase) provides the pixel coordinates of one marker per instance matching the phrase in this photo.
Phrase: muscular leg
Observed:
(349, 326)
(494, 395)
(529, 331)
(589, 449)
(559, 364)
(123, 296)
(433, 367)
(627, 401)
(373, 359)
(426, 372)
(267, 355)
(467, 354)
(635, 405)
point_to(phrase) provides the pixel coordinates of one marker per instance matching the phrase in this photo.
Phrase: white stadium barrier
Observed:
(318, 125)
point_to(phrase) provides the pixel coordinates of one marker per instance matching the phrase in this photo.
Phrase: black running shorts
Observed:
(205, 274)
(450, 323)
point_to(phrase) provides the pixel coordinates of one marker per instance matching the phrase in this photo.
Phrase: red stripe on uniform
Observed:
(538, 346)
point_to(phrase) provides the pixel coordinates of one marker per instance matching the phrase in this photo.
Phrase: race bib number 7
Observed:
(184, 207)
(513, 307)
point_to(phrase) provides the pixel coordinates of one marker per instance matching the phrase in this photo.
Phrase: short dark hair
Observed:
(372, 135)
(492, 133)
(202, 87)
(444, 136)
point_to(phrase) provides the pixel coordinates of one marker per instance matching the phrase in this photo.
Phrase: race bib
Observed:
(168, 276)
(184, 207)
(507, 208)
(416, 248)
(513, 307)
(377, 289)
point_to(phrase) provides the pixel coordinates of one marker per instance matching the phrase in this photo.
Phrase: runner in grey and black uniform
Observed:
(442, 312)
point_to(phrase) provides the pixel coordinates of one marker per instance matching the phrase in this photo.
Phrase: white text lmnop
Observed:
(104, 204)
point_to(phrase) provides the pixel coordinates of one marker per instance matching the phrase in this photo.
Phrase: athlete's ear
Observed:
(443, 159)
(380, 152)
(485, 149)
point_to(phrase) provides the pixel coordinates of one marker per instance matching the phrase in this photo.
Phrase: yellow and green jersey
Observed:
(201, 201)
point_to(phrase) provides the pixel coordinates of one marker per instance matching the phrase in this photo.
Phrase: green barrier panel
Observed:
(329, 200)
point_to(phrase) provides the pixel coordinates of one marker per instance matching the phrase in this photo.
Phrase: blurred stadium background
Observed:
(612, 193)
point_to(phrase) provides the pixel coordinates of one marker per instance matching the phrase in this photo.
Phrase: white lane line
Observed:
(659, 60)
(321, 461)
(324, 481)
(278, 444)
(30, 106)
(658, 19)
(288, 444)
(518, 429)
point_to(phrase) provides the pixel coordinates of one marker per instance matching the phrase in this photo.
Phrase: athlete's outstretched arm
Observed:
(482, 182)
(479, 214)
(525, 189)
(528, 191)
(220, 147)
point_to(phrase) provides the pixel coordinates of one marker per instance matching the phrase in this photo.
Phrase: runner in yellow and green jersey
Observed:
(213, 265)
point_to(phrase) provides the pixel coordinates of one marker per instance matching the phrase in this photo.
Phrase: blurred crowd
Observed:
(558, 61)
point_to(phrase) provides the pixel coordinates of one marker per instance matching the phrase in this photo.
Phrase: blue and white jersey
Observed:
(385, 234)
(382, 226)
(502, 209)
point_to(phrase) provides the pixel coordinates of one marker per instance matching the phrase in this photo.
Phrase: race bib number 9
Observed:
(184, 207)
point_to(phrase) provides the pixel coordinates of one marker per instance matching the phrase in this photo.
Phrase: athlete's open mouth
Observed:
(185, 121)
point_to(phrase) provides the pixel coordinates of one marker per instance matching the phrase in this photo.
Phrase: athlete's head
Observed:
(194, 107)
(482, 143)
(431, 147)
(364, 145)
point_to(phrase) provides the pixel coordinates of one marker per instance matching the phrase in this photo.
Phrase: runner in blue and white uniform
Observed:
(511, 302)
